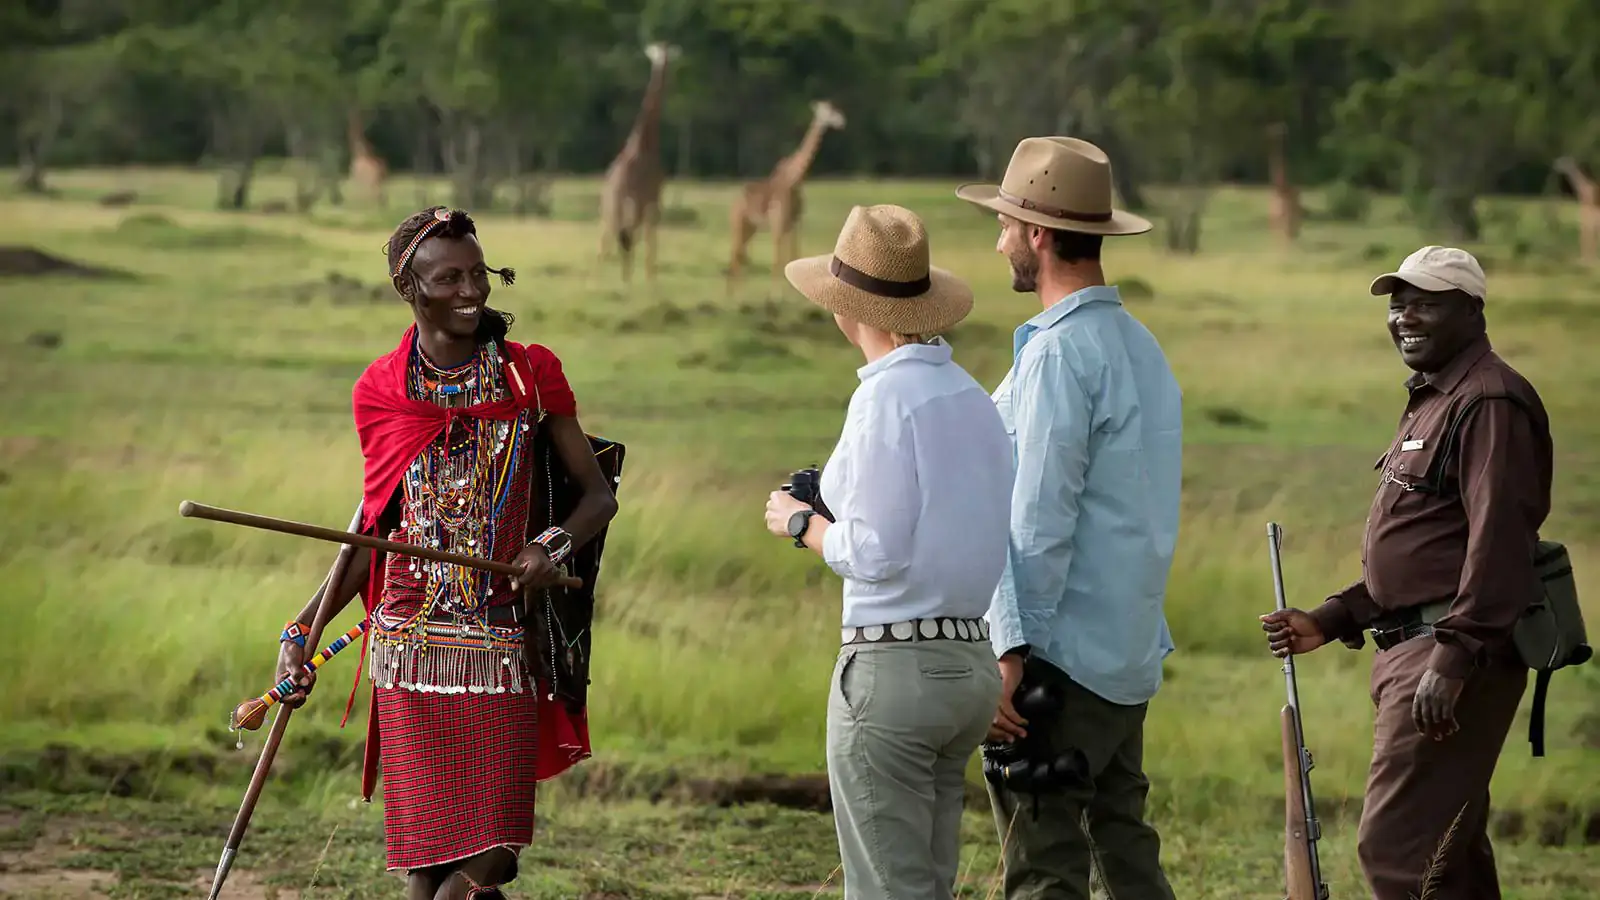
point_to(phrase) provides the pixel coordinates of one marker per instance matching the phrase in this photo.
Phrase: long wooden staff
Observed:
(193, 510)
(280, 722)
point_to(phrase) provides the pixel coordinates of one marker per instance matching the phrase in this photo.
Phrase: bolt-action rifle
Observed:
(1302, 868)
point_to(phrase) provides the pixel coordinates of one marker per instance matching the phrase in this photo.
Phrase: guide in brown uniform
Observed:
(1447, 568)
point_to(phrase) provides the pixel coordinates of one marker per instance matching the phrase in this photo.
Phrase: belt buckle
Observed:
(1382, 636)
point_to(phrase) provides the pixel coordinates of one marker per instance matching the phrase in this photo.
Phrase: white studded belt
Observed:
(941, 628)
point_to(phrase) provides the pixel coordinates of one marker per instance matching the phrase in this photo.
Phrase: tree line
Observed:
(1441, 101)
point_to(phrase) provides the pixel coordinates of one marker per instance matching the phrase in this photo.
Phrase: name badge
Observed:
(1411, 445)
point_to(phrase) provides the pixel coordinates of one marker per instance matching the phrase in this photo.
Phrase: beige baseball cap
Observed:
(1435, 268)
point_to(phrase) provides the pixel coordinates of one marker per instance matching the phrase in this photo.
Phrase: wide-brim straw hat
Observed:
(879, 275)
(1057, 182)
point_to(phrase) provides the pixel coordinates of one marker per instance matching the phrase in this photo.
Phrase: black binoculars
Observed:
(1031, 765)
(806, 486)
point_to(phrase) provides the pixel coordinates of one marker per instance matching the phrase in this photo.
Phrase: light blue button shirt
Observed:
(1095, 418)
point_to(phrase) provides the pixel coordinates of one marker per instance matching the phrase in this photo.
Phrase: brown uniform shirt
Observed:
(1472, 543)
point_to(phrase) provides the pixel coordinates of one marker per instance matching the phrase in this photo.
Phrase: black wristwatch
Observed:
(798, 523)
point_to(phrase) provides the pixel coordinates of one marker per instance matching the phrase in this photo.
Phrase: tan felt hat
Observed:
(1435, 268)
(1057, 182)
(879, 275)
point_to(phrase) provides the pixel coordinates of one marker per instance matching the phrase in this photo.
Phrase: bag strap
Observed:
(1541, 685)
(1433, 483)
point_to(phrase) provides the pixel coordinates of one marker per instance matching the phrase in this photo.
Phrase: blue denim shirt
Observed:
(1095, 418)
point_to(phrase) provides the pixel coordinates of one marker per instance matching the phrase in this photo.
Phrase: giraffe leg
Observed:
(779, 222)
(742, 232)
(648, 225)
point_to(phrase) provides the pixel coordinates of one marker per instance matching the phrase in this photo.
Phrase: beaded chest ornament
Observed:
(454, 495)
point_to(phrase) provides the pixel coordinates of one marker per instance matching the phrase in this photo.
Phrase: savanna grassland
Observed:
(215, 364)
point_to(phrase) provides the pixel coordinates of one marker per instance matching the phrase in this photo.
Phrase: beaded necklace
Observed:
(457, 487)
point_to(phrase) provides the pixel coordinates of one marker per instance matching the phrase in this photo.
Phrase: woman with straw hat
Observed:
(920, 483)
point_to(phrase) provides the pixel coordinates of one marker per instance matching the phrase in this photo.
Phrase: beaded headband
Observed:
(440, 216)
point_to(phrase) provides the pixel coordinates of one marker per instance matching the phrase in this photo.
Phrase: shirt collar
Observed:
(1448, 378)
(1055, 312)
(936, 353)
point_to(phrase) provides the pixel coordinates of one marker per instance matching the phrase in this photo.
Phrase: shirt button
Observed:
(1411, 415)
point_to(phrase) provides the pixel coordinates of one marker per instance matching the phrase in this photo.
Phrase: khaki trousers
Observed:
(903, 720)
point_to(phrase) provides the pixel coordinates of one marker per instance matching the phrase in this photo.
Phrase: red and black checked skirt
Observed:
(458, 773)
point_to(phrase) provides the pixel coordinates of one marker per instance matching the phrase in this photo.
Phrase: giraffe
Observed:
(367, 168)
(1284, 213)
(775, 200)
(1588, 206)
(630, 200)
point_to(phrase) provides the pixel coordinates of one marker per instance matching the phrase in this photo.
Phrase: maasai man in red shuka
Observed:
(447, 421)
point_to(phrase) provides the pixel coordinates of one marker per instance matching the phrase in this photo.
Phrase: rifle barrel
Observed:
(1313, 828)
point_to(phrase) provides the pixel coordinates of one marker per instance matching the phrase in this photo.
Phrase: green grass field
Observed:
(220, 371)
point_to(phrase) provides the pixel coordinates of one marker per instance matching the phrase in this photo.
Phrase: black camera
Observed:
(806, 486)
(1032, 765)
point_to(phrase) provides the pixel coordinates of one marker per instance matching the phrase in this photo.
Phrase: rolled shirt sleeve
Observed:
(871, 541)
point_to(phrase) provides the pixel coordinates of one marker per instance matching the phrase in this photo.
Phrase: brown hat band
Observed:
(874, 285)
(1054, 211)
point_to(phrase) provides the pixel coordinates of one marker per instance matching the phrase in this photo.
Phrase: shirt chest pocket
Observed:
(1410, 480)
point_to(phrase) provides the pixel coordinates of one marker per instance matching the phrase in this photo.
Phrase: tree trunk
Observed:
(236, 135)
(462, 143)
(307, 179)
(34, 149)
(233, 188)
(1123, 177)
(1456, 210)
(30, 174)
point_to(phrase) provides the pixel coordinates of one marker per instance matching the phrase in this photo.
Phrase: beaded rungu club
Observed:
(250, 714)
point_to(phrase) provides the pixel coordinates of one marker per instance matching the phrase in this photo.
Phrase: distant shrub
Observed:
(1345, 202)
(1135, 288)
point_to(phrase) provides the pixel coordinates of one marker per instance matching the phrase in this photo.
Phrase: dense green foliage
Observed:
(1442, 100)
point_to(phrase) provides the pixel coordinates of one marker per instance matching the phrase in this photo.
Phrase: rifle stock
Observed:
(1300, 878)
(1302, 868)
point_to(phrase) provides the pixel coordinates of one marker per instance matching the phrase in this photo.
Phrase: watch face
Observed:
(797, 524)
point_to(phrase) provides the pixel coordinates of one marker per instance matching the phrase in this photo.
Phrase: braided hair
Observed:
(437, 221)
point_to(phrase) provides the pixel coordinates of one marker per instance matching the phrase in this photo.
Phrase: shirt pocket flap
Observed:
(1409, 477)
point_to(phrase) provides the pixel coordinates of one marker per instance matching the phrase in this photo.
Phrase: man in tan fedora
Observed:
(1095, 416)
(920, 483)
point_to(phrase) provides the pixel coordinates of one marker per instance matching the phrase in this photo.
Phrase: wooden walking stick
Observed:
(192, 510)
(280, 722)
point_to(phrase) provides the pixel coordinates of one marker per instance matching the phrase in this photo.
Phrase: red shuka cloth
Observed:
(393, 429)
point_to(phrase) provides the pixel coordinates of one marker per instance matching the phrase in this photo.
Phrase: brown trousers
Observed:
(1417, 786)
